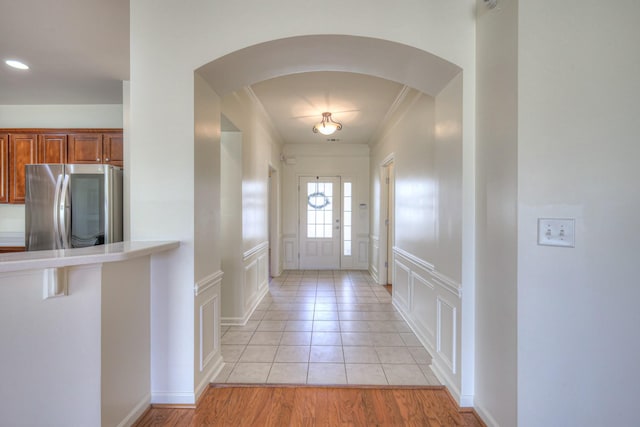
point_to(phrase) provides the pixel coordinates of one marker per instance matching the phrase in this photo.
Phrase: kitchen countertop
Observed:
(112, 252)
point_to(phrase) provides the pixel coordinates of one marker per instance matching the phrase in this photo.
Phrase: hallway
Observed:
(325, 327)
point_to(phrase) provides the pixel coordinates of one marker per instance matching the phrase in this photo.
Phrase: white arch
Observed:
(404, 64)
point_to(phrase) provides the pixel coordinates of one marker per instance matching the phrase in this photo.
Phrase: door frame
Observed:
(337, 196)
(387, 212)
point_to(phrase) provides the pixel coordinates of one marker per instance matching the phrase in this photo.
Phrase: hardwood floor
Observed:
(234, 405)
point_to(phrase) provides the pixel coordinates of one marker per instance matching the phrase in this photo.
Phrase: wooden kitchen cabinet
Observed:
(113, 149)
(95, 148)
(85, 148)
(52, 148)
(23, 150)
(4, 168)
(20, 147)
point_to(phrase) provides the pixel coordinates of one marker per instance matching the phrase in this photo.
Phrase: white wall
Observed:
(231, 230)
(497, 179)
(83, 358)
(578, 151)
(125, 381)
(207, 357)
(168, 41)
(260, 148)
(246, 161)
(351, 162)
(51, 116)
(49, 357)
(424, 135)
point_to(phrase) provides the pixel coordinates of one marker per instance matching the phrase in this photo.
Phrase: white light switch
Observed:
(556, 232)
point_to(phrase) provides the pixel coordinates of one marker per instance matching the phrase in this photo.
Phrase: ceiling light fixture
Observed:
(327, 126)
(16, 64)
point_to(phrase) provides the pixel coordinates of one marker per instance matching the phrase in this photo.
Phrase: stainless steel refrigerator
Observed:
(72, 206)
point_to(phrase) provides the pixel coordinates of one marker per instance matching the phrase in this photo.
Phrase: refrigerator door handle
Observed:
(56, 214)
(64, 217)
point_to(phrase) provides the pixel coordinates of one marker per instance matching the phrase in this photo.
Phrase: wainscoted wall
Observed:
(256, 276)
(290, 243)
(207, 339)
(251, 286)
(430, 302)
(375, 257)
(362, 241)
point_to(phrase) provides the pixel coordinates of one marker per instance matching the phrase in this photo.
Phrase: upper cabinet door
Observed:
(85, 148)
(113, 149)
(4, 168)
(22, 151)
(52, 148)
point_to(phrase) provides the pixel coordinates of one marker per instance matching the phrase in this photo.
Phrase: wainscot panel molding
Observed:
(363, 251)
(290, 244)
(255, 283)
(207, 282)
(402, 285)
(414, 259)
(430, 302)
(209, 335)
(375, 257)
(207, 302)
(258, 248)
(446, 335)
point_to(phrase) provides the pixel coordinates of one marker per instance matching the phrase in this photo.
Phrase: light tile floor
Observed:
(325, 327)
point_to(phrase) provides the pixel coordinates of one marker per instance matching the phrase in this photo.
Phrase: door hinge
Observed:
(386, 264)
(386, 180)
(386, 222)
(298, 255)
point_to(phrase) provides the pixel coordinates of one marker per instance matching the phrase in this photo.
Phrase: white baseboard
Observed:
(241, 321)
(209, 376)
(486, 416)
(173, 398)
(136, 412)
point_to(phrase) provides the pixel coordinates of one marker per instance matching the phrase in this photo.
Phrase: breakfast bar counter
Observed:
(76, 333)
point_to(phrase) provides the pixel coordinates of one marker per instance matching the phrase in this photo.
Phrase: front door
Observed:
(320, 227)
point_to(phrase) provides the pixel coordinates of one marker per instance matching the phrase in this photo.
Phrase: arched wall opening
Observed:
(423, 73)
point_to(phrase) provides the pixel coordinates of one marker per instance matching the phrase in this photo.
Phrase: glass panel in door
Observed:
(87, 210)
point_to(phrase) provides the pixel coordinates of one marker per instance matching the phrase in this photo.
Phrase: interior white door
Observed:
(320, 227)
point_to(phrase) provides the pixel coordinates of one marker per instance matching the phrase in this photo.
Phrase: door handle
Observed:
(64, 214)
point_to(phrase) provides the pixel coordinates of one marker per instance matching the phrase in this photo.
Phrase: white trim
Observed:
(450, 361)
(205, 359)
(136, 412)
(447, 283)
(444, 380)
(414, 259)
(376, 136)
(437, 277)
(173, 398)
(388, 160)
(256, 249)
(241, 321)
(207, 282)
(256, 102)
(485, 415)
(216, 368)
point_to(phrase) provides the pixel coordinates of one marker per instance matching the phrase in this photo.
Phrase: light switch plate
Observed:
(557, 232)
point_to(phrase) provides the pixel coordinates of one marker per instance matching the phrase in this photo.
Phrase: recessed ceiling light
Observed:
(16, 64)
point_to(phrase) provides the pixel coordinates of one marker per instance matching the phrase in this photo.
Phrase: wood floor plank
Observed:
(316, 406)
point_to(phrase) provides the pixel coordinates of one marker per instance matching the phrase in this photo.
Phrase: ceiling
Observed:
(78, 53)
(296, 102)
(77, 50)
